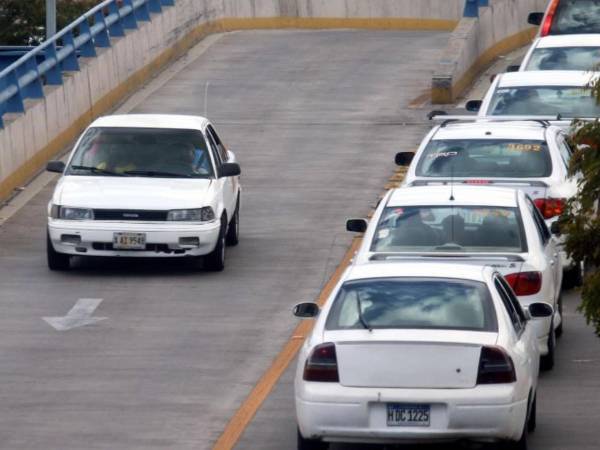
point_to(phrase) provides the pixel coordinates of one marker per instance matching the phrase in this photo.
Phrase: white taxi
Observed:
(145, 186)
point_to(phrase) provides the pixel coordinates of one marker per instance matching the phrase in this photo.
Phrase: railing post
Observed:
(484, 2)
(87, 49)
(54, 75)
(129, 15)
(471, 8)
(102, 39)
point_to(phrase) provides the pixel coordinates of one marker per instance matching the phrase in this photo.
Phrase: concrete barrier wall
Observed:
(50, 124)
(477, 42)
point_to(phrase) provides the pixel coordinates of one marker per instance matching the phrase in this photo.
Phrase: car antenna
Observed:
(452, 181)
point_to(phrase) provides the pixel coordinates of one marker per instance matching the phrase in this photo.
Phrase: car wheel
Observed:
(572, 277)
(311, 444)
(233, 231)
(215, 260)
(547, 361)
(532, 421)
(56, 261)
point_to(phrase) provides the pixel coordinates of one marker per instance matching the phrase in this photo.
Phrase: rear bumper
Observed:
(341, 414)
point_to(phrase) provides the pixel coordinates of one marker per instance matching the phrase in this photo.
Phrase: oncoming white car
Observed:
(418, 352)
(479, 225)
(145, 186)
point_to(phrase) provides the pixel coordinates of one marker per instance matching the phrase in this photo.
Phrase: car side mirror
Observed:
(535, 18)
(513, 68)
(356, 225)
(306, 310)
(436, 112)
(473, 105)
(555, 228)
(55, 166)
(230, 170)
(404, 158)
(540, 310)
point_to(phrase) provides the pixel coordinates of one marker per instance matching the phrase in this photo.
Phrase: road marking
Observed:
(78, 316)
(238, 423)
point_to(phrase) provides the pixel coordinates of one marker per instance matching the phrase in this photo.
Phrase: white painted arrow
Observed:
(78, 316)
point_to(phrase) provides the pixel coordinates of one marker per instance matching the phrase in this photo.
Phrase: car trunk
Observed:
(409, 358)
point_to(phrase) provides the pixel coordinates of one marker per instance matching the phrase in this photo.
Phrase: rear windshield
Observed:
(564, 58)
(576, 17)
(449, 229)
(142, 152)
(568, 101)
(487, 158)
(415, 303)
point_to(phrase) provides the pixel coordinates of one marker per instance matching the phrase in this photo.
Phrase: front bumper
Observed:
(336, 413)
(163, 239)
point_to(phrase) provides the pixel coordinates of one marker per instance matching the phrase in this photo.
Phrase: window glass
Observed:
(513, 299)
(540, 223)
(449, 229)
(515, 318)
(219, 145)
(413, 303)
(142, 152)
(576, 17)
(564, 150)
(569, 101)
(490, 158)
(564, 58)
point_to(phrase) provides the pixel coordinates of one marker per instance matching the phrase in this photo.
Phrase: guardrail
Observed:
(25, 78)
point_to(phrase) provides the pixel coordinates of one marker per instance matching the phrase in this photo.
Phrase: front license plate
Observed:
(405, 415)
(129, 241)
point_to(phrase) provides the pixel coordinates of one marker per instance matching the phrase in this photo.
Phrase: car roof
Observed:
(546, 78)
(152, 121)
(568, 40)
(492, 130)
(411, 268)
(463, 196)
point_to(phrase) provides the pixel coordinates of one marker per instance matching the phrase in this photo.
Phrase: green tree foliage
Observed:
(23, 22)
(582, 219)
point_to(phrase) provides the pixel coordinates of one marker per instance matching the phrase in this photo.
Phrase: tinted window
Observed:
(513, 313)
(568, 101)
(564, 58)
(576, 17)
(564, 150)
(218, 144)
(449, 229)
(413, 303)
(539, 222)
(487, 158)
(142, 152)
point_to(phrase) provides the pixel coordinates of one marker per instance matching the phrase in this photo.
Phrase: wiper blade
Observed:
(157, 173)
(361, 318)
(97, 170)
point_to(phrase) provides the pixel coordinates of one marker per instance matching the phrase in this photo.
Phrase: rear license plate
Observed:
(405, 415)
(129, 241)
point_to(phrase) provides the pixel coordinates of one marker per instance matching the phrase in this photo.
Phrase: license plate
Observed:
(405, 415)
(129, 241)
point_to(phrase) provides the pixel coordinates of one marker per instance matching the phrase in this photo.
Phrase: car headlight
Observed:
(205, 214)
(67, 213)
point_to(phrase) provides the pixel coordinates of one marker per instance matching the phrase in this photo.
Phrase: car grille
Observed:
(136, 215)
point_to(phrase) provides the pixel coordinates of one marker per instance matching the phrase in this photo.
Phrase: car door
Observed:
(228, 186)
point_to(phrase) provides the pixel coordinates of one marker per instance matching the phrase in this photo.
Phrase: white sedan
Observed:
(479, 225)
(145, 186)
(418, 352)
(579, 52)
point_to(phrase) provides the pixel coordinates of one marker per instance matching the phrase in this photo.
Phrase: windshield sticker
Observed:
(524, 147)
(383, 233)
(442, 155)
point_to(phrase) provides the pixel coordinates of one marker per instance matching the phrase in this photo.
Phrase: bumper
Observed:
(162, 239)
(342, 414)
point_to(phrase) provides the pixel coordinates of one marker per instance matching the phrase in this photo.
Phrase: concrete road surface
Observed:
(315, 119)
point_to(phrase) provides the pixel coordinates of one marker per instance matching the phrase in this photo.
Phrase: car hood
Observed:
(132, 192)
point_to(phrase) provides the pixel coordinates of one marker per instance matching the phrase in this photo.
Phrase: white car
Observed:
(557, 95)
(479, 225)
(580, 52)
(528, 155)
(418, 352)
(145, 186)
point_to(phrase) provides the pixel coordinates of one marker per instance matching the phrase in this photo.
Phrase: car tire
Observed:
(532, 420)
(547, 360)
(56, 261)
(233, 231)
(311, 444)
(215, 260)
(572, 277)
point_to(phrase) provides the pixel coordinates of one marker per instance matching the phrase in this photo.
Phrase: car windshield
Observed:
(564, 58)
(414, 303)
(456, 229)
(142, 152)
(576, 17)
(489, 158)
(569, 101)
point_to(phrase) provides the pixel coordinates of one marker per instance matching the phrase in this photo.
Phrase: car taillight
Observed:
(495, 366)
(321, 365)
(549, 18)
(477, 182)
(525, 283)
(550, 207)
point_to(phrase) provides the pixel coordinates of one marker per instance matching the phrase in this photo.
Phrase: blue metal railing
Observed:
(472, 7)
(44, 64)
